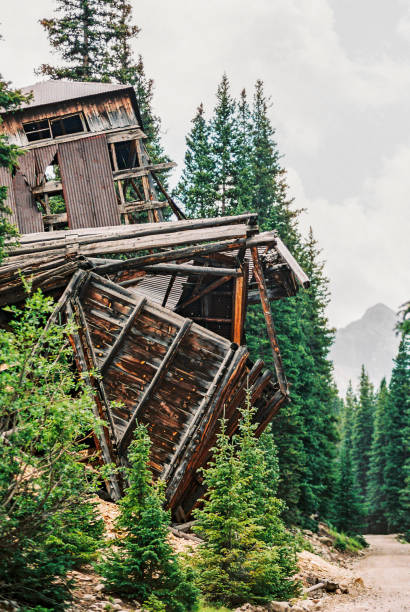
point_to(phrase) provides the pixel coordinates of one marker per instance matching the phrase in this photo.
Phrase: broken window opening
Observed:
(125, 155)
(45, 129)
(37, 130)
(71, 124)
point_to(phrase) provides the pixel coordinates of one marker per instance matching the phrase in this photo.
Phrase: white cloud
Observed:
(337, 113)
(365, 239)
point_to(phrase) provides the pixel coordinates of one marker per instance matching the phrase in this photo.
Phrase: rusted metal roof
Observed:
(53, 92)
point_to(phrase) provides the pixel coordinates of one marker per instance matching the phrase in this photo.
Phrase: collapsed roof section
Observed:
(164, 330)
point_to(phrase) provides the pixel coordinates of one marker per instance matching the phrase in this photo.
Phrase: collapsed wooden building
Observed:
(164, 327)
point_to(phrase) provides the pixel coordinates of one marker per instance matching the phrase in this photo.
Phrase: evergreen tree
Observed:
(347, 510)
(244, 152)
(395, 474)
(376, 501)
(142, 564)
(240, 560)
(123, 68)
(270, 199)
(243, 180)
(81, 32)
(48, 522)
(93, 38)
(362, 434)
(319, 401)
(9, 154)
(223, 135)
(196, 187)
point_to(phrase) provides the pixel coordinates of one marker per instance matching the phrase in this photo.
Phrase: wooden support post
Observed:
(239, 305)
(175, 209)
(277, 359)
(136, 189)
(119, 339)
(169, 355)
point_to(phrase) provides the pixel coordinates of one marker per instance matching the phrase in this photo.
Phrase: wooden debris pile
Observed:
(164, 328)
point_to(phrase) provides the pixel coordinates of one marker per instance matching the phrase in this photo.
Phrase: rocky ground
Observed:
(326, 574)
(385, 570)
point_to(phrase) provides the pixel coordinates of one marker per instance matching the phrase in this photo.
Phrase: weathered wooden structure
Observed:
(84, 143)
(164, 327)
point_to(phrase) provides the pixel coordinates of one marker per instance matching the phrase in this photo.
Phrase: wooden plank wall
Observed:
(89, 191)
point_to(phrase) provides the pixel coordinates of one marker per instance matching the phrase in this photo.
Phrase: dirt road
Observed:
(386, 574)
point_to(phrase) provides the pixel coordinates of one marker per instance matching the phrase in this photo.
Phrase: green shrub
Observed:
(141, 564)
(247, 554)
(47, 521)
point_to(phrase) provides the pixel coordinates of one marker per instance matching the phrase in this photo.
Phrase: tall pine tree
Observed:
(196, 188)
(363, 433)
(242, 151)
(347, 509)
(320, 399)
(396, 484)
(93, 38)
(375, 499)
(81, 33)
(223, 135)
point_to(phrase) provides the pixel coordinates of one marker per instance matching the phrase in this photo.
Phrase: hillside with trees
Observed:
(325, 460)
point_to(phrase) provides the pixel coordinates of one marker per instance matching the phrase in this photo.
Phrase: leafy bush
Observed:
(141, 564)
(47, 521)
(247, 554)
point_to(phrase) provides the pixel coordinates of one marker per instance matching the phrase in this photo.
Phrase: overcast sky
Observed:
(338, 72)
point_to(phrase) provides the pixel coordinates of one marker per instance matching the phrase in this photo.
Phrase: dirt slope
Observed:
(386, 574)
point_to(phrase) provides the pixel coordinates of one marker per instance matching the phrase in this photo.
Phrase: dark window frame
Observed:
(48, 123)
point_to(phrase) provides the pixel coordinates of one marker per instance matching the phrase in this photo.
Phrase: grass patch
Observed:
(206, 607)
(346, 543)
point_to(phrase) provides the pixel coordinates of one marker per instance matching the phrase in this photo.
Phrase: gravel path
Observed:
(386, 574)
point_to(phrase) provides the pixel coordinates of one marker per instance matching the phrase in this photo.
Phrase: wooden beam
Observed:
(168, 291)
(212, 320)
(53, 219)
(111, 244)
(175, 209)
(50, 187)
(292, 263)
(137, 229)
(128, 173)
(141, 205)
(121, 336)
(172, 255)
(120, 185)
(113, 135)
(169, 355)
(277, 359)
(197, 296)
(187, 270)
